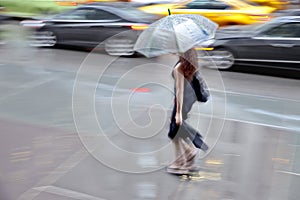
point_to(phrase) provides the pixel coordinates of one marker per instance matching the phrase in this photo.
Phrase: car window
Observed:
(284, 30)
(87, 14)
(206, 4)
(78, 14)
(134, 14)
(98, 14)
(251, 3)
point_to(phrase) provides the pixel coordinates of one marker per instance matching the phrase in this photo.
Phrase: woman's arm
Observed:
(179, 85)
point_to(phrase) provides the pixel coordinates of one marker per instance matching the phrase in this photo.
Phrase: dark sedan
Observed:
(274, 44)
(288, 12)
(91, 24)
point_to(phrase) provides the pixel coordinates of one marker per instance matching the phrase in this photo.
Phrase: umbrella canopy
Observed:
(175, 34)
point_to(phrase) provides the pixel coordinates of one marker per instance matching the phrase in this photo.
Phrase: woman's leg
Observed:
(179, 155)
(190, 152)
(188, 146)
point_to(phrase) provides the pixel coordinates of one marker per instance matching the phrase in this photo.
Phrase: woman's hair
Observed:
(189, 61)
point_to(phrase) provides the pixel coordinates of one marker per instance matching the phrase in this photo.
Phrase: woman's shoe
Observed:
(178, 166)
(178, 171)
(175, 166)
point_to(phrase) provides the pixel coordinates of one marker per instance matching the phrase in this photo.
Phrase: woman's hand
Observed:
(178, 119)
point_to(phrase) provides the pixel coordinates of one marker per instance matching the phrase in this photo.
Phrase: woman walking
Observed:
(185, 138)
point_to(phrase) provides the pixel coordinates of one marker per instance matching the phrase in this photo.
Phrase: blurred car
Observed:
(154, 1)
(90, 24)
(278, 4)
(274, 44)
(79, 2)
(223, 12)
(288, 12)
(3, 20)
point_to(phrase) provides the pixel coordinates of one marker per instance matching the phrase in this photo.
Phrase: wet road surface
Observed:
(73, 126)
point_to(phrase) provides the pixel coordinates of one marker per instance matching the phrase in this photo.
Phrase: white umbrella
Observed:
(175, 34)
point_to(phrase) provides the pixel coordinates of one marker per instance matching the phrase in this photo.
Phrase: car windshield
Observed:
(237, 4)
(135, 14)
(253, 27)
(128, 12)
(260, 27)
(292, 12)
(250, 3)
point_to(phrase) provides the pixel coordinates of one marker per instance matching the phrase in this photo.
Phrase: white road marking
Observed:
(287, 172)
(236, 120)
(254, 95)
(252, 123)
(57, 173)
(66, 193)
(273, 114)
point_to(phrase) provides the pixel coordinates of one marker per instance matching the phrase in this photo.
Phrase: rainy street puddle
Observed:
(199, 176)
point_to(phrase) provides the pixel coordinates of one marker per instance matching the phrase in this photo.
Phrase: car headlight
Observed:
(32, 23)
(206, 46)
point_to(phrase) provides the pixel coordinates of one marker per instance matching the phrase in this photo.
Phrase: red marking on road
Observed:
(141, 90)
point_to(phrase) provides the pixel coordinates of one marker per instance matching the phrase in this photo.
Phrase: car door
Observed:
(70, 26)
(105, 24)
(273, 44)
(85, 26)
(281, 44)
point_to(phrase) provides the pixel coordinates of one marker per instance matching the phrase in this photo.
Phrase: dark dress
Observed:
(185, 130)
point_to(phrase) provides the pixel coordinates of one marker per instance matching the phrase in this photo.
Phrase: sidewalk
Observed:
(248, 162)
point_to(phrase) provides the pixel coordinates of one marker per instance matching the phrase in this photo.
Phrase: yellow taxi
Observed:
(223, 12)
(278, 4)
(78, 2)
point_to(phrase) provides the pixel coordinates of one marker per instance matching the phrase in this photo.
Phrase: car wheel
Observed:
(45, 38)
(222, 58)
(119, 47)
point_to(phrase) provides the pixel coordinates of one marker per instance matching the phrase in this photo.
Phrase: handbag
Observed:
(186, 131)
(200, 88)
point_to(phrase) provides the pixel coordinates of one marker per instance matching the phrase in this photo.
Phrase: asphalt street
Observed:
(79, 125)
